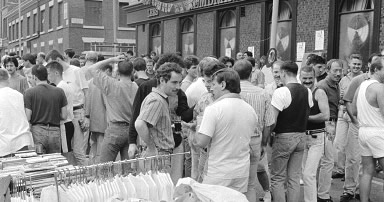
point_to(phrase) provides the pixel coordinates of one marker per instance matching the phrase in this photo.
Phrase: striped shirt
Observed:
(260, 100)
(155, 111)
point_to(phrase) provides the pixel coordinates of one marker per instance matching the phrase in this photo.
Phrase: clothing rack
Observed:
(83, 173)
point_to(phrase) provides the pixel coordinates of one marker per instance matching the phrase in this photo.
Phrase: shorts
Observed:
(262, 166)
(238, 184)
(371, 140)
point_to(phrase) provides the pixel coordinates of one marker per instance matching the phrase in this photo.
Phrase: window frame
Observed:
(28, 25)
(50, 17)
(335, 7)
(219, 18)
(181, 23)
(151, 36)
(42, 20)
(59, 13)
(100, 21)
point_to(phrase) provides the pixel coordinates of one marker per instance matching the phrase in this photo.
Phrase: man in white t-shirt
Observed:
(14, 126)
(226, 129)
(76, 80)
(292, 105)
(197, 88)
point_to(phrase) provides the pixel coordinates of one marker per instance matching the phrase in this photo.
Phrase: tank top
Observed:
(315, 110)
(368, 115)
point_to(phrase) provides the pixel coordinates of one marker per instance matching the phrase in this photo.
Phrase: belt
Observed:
(78, 107)
(333, 119)
(120, 123)
(311, 132)
(45, 124)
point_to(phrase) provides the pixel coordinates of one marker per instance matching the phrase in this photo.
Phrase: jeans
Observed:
(177, 163)
(115, 141)
(353, 154)
(327, 162)
(342, 127)
(313, 152)
(287, 155)
(80, 139)
(96, 143)
(255, 145)
(69, 131)
(48, 137)
(199, 158)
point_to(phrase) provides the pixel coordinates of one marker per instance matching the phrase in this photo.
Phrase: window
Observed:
(42, 20)
(50, 17)
(34, 23)
(13, 32)
(227, 32)
(21, 28)
(122, 15)
(93, 13)
(5, 28)
(28, 22)
(10, 33)
(187, 36)
(17, 30)
(284, 27)
(356, 28)
(59, 13)
(156, 38)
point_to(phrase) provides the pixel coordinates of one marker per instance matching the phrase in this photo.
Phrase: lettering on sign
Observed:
(206, 3)
(152, 12)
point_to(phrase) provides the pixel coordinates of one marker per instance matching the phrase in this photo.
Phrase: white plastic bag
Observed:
(208, 193)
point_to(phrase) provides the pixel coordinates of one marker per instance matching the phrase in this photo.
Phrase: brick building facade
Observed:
(225, 27)
(82, 25)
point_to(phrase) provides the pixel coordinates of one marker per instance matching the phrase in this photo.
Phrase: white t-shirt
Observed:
(267, 71)
(14, 126)
(230, 122)
(195, 91)
(76, 79)
(69, 94)
(282, 98)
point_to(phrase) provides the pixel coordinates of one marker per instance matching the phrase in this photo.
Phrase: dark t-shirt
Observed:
(140, 81)
(45, 102)
(333, 93)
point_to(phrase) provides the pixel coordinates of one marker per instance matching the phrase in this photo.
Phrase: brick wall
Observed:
(170, 36)
(381, 47)
(250, 33)
(205, 31)
(310, 20)
(142, 39)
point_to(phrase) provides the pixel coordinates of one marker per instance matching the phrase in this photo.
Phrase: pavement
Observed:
(377, 190)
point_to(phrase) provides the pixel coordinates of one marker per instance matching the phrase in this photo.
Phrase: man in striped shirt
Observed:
(154, 122)
(260, 100)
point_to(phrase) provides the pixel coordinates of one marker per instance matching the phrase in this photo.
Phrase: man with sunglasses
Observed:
(226, 128)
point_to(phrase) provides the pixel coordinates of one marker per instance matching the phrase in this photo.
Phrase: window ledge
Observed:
(27, 37)
(59, 27)
(92, 27)
(126, 28)
(50, 30)
(35, 34)
(43, 32)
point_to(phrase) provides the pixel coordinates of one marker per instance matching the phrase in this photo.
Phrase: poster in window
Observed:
(156, 45)
(228, 40)
(356, 31)
(188, 45)
(283, 40)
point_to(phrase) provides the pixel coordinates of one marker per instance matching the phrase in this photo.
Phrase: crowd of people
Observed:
(321, 121)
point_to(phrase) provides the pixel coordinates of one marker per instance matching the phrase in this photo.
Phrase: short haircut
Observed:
(125, 68)
(4, 76)
(213, 67)
(91, 56)
(40, 72)
(100, 57)
(130, 52)
(191, 60)
(355, 56)
(30, 58)
(166, 69)
(252, 61)
(243, 68)
(139, 64)
(153, 53)
(315, 59)
(156, 58)
(54, 65)
(231, 78)
(225, 59)
(372, 56)
(106, 67)
(179, 53)
(42, 55)
(170, 57)
(307, 69)
(12, 54)
(249, 53)
(70, 52)
(290, 67)
(76, 56)
(150, 60)
(330, 62)
(82, 57)
(11, 59)
(53, 55)
(75, 62)
(206, 63)
(377, 64)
